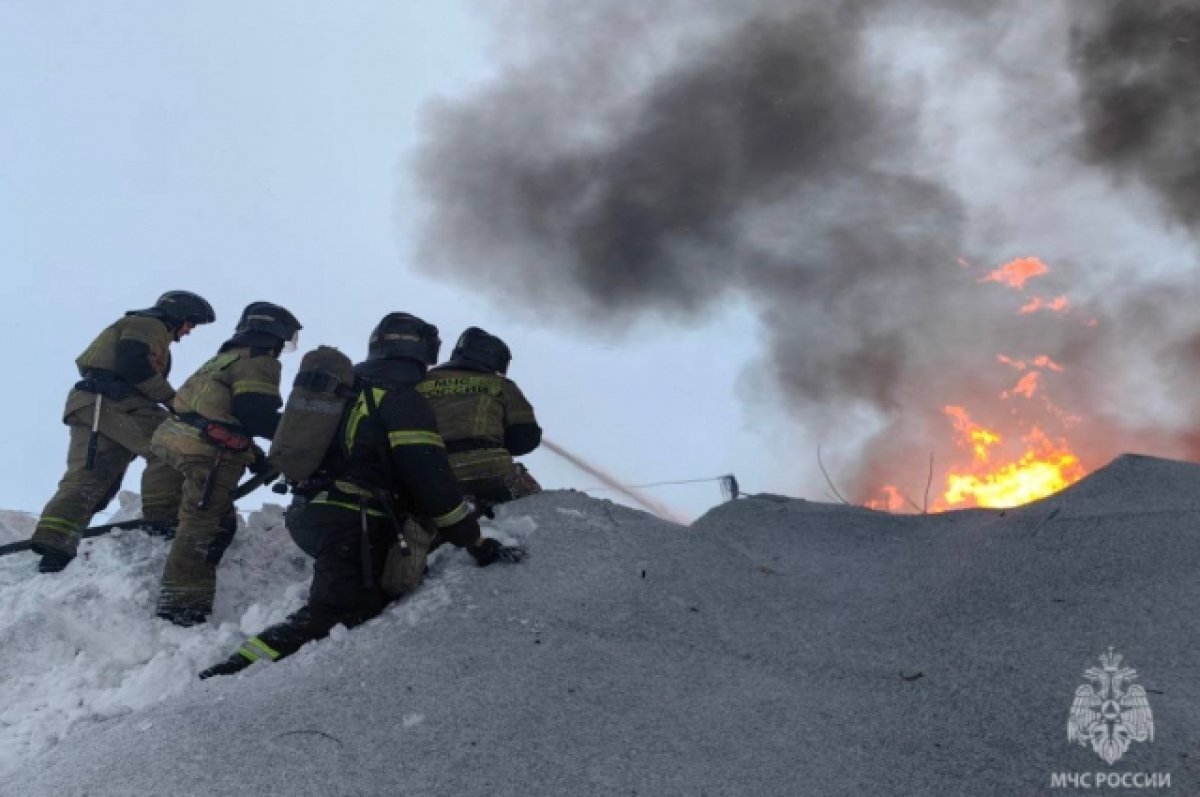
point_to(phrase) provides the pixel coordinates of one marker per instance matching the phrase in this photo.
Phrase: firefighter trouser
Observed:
(123, 435)
(189, 580)
(514, 482)
(340, 592)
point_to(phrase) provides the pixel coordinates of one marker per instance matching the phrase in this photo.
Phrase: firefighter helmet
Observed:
(404, 335)
(478, 346)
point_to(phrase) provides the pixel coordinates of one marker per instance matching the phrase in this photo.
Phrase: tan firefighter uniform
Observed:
(485, 420)
(129, 414)
(206, 412)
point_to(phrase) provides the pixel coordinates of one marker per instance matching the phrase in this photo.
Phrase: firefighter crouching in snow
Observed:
(112, 413)
(231, 399)
(386, 462)
(484, 418)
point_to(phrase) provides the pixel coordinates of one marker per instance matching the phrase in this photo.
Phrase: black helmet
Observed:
(404, 335)
(269, 318)
(477, 346)
(185, 307)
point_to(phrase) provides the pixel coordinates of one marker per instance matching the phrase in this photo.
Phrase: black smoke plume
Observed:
(631, 163)
(1138, 65)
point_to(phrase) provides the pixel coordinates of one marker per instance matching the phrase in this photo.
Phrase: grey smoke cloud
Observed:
(646, 205)
(625, 167)
(1138, 65)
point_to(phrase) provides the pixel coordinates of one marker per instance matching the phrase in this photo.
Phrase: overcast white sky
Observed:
(258, 152)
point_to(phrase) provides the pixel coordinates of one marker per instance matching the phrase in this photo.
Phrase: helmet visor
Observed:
(293, 343)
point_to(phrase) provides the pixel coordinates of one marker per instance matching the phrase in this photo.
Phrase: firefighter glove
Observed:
(488, 550)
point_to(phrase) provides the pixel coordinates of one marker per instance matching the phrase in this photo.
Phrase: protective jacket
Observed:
(484, 418)
(395, 451)
(237, 390)
(128, 362)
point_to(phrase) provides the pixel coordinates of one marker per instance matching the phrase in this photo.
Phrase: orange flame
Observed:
(1016, 273)
(1027, 385)
(1005, 470)
(890, 499)
(971, 433)
(1045, 466)
(1059, 304)
(1041, 361)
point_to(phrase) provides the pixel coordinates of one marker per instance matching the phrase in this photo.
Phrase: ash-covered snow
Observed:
(777, 646)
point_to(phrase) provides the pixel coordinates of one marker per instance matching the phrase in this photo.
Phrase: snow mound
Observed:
(776, 647)
(15, 525)
(83, 646)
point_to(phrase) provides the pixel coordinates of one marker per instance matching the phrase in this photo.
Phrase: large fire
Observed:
(1005, 467)
(1043, 466)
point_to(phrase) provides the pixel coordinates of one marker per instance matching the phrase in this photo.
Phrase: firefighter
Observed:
(484, 418)
(231, 399)
(387, 462)
(112, 413)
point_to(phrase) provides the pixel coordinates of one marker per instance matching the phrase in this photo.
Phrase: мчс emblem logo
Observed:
(1110, 713)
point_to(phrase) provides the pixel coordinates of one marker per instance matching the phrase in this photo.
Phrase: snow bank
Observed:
(83, 646)
(776, 647)
(15, 525)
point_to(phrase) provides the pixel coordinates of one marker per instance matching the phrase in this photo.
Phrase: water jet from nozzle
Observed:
(644, 501)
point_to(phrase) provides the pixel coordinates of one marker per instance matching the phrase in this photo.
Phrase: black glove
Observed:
(488, 550)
